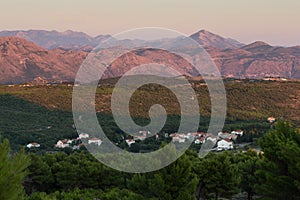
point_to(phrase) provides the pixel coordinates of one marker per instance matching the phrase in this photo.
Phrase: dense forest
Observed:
(271, 174)
(246, 99)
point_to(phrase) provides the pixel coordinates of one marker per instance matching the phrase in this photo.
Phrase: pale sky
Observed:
(272, 21)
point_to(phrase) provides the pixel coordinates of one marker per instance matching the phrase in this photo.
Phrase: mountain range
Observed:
(52, 55)
(54, 39)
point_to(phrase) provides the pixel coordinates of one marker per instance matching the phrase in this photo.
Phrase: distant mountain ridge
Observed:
(258, 60)
(79, 40)
(54, 39)
(208, 39)
(21, 60)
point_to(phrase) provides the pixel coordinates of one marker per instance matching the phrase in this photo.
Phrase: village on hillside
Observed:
(223, 140)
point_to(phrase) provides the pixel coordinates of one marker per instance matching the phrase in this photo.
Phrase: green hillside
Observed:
(43, 113)
(245, 100)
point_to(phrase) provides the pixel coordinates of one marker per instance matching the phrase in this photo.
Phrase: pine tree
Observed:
(280, 171)
(13, 170)
(217, 175)
(248, 163)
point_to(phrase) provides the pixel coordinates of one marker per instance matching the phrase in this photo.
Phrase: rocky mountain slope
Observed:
(258, 60)
(23, 61)
(208, 39)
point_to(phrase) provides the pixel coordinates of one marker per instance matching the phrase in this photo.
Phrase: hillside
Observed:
(245, 100)
(258, 60)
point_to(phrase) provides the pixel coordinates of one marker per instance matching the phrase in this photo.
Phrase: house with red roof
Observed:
(224, 144)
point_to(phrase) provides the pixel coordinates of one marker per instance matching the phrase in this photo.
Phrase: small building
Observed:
(83, 135)
(200, 140)
(271, 119)
(142, 135)
(33, 145)
(70, 141)
(229, 136)
(224, 144)
(212, 138)
(62, 144)
(178, 138)
(145, 133)
(237, 132)
(197, 135)
(139, 137)
(95, 141)
(130, 142)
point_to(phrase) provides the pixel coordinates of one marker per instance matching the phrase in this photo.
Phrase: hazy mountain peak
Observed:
(257, 46)
(257, 43)
(208, 39)
(53, 39)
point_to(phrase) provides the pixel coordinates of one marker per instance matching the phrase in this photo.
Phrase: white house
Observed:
(142, 135)
(271, 119)
(200, 140)
(95, 141)
(62, 144)
(70, 141)
(238, 132)
(212, 138)
(228, 136)
(225, 144)
(220, 133)
(179, 138)
(130, 142)
(33, 144)
(145, 133)
(139, 137)
(189, 136)
(197, 135)
(83, 135)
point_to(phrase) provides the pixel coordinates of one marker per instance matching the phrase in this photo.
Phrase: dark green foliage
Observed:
(59, 171)
(13, 170)
(123, 194)
(87, 194)
(176, 181)
(23, 122)
(280, 170)
(248, 163)
(217, 176)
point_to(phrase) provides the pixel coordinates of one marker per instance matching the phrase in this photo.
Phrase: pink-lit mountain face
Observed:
(23, 60)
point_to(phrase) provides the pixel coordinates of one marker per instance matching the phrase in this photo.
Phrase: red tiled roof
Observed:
(227, 140)
(94, 139)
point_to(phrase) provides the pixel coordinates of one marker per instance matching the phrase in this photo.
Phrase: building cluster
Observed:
(223, 140)
(75, 143)
(142, 135)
